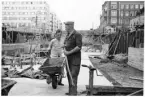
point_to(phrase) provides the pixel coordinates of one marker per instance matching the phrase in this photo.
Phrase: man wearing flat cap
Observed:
(72, 49)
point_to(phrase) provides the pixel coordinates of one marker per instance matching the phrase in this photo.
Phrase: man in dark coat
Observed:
(73, 45)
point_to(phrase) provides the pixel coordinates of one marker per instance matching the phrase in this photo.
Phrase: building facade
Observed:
(55, 23)
(137, 22)
(117, 14)
(28, 14)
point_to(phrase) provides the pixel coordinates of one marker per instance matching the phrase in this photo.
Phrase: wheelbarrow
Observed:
(53, 68)
(6, 86)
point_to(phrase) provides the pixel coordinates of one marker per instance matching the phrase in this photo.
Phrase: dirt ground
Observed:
(35, 87)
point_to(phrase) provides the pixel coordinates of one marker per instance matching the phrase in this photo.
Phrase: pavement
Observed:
(36, 87)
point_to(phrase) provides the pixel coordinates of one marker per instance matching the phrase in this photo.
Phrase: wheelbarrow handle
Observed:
(84, 65)
(90, 67)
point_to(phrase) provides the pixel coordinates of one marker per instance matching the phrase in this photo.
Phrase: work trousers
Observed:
(74, 69)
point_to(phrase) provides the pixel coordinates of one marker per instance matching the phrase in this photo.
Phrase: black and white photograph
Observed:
(72, 48)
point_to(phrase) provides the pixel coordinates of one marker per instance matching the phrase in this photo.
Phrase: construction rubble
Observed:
(28, 72)
(14, 67)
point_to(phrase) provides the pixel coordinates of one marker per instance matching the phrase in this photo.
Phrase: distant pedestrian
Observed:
(73, 45)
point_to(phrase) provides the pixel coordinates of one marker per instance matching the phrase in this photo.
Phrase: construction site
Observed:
(121, 66)
(112, 64)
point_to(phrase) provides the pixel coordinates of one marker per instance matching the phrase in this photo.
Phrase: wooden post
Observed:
(91, 78)
(117, 43)
(127, 43)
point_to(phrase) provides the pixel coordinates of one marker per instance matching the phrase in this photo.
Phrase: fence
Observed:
(119, 44)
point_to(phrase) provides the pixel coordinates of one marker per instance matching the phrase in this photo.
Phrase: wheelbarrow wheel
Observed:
(54, 82)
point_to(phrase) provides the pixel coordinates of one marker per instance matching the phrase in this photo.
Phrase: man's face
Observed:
(67, 28)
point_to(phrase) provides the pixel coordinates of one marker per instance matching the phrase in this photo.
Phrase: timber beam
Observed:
(97, 89)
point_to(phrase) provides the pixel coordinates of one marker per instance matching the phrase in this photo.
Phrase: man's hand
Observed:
(66, 52)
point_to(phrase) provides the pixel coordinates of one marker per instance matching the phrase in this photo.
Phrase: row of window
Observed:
(124, 21)
(23, 2)
(127, 6)
(23, 13)
(121, 21)
(132, 6)
(23, 8)
(126, 13)
(25, 24)
(17, 24)
(22, 18)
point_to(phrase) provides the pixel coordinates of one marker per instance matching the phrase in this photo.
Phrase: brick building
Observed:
(118, 13)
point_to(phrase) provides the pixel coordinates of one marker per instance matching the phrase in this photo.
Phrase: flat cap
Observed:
(69, 23)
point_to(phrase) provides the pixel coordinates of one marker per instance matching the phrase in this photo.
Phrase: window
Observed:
(13, 2)
(4, 18)
(127, 21)
(13, 13)
(23, 13)
(6, 8)
(141, 6)
(132, 13)
(135, 13)
(126, 13)
(20, 18)
(132, 6)
(40, 2)
(4, 13)
(32, 13)
(20, 13)
(113, 20)
(12, 8)
(33, 7)
(127, 6)
(22, 2)
(120, 21)
(136, 6)
(113, 13)
(40, 8)
(121, 13)
(122, 6)
(113, 6)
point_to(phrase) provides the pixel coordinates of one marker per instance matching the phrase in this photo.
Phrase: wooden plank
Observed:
(118, 74)
(127, 42)
(109, 89)
(136, 93)
(135, 78)
(113, 81)
(136, 58)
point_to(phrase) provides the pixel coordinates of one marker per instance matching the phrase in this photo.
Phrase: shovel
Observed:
(69, 73)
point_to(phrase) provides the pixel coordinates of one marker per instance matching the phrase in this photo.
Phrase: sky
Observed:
(84, 13)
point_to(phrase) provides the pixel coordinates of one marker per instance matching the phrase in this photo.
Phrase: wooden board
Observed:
(118, 74)
(112, 89)
(136, 58)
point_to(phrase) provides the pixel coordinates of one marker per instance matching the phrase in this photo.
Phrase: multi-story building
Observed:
(28, 14)
(118, 13)
(137, 22)
(55, 23)
(25, 13)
